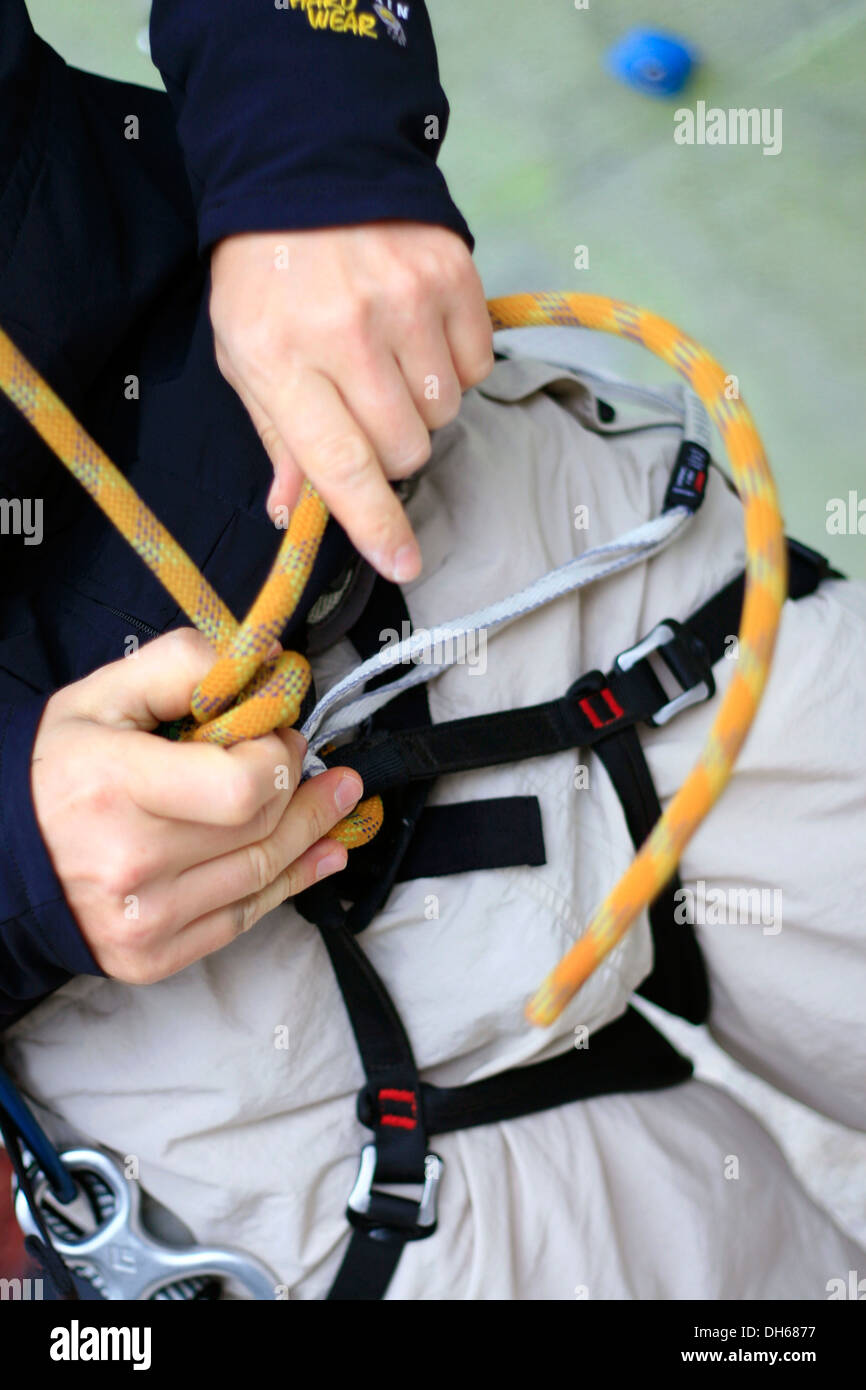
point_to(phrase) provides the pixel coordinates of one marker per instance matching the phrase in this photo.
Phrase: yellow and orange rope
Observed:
(246, 693)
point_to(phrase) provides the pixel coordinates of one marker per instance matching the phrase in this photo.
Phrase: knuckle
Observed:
(296, 370)
(479, 369)
(381, 534)
(265, 821)
(446, 407)
(246, 913)
(480, 359)
(134, 952)
(259, 865)
(450, 409)
(357, 314)
(292, 881)
(428, 261)
(256, 345)
(123, 873)
(456, 269)
(413, 459)
(323, 817)
(240, 797)
(286, 766)
(100, 795)
(159, 925)
(346, 457)
(186, 644)
(138, 939)
(289, 881)
(411, 289)
(270, 437)
(323, 811)
(141, 970)
(452, 396)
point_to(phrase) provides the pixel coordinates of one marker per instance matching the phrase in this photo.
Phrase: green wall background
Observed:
(758, 257)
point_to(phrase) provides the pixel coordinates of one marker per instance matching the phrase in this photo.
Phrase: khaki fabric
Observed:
(620, 1197)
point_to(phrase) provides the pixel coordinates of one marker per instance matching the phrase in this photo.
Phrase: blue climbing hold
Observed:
(651, 62)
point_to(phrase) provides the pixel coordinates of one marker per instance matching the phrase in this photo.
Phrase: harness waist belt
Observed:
(594, 707)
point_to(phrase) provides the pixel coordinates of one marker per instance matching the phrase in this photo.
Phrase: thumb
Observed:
(147, 687)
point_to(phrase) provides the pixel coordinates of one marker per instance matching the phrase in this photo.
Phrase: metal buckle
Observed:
(361, 1206)
(688, 659)
(129, 1262)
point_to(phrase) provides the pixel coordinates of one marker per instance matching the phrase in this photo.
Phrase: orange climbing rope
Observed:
(766, 586)
(247, 693)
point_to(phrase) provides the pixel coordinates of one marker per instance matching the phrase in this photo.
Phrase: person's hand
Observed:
(347, 345)
(168, 851)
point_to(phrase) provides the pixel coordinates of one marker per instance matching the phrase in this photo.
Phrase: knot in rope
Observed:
(249, 692)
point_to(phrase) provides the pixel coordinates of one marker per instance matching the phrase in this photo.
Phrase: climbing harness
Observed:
(378, 722)
(341, 710)
(246, 694)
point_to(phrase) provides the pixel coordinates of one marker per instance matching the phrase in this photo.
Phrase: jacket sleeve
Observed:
(41, 946)
(305, 113)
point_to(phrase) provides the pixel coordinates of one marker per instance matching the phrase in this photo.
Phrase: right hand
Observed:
(168, 851)
(348, 345)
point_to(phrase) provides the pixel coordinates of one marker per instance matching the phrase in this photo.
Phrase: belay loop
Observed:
(248, 693)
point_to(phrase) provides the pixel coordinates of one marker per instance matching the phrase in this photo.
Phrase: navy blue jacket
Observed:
(299, 116)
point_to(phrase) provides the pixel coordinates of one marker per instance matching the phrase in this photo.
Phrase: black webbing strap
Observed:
(463, 836)
(386, 1056)
(599, 711)
(628, 1055)
(372, 870)
(678, 981)
(594, 707)
(381, 1222)
(403, 1112)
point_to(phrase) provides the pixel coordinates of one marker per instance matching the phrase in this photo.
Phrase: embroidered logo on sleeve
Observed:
(344, 17)
(392, 21)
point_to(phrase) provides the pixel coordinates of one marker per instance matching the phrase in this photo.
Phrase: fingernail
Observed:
(331, 863)
(269, 504)
(406, 563)
(348, 792)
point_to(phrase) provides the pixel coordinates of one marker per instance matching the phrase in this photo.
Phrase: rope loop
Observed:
(249, 691)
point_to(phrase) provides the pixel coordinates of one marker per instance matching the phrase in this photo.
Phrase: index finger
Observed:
(334, 453)
(208, 784)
